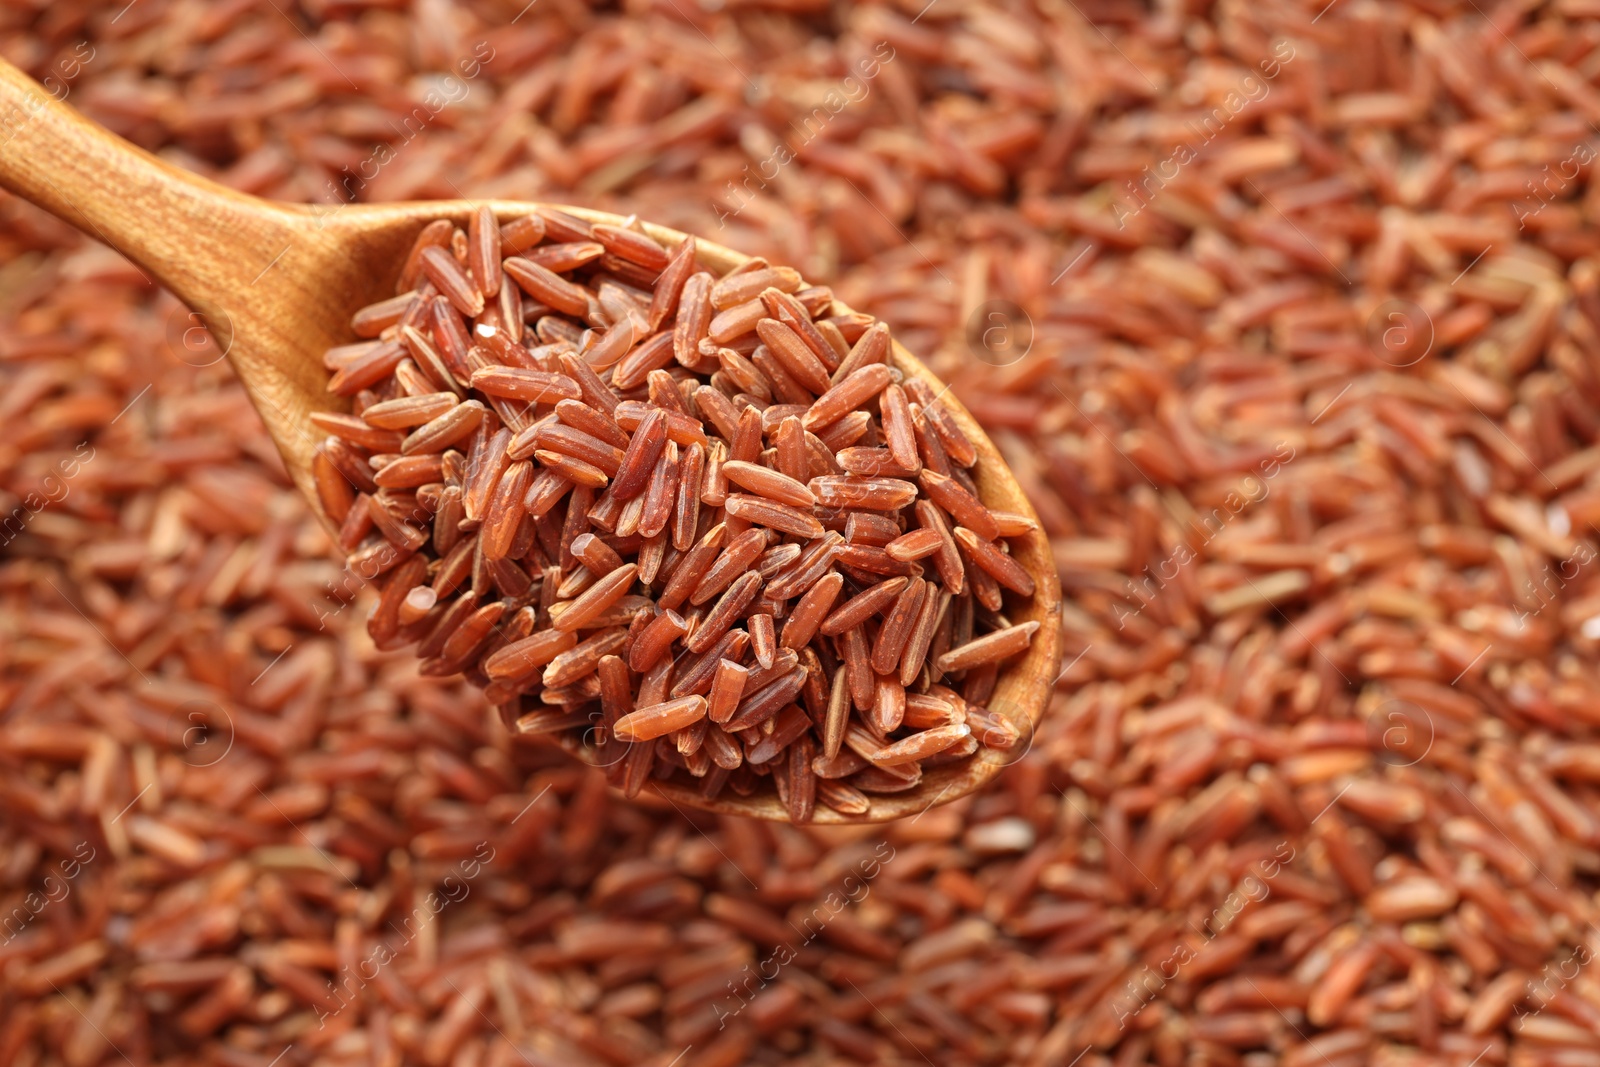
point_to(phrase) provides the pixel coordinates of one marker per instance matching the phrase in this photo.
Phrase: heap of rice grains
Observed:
(1321, 784)
(701, 522)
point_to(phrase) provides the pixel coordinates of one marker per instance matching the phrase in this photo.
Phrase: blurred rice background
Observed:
(1286, 314)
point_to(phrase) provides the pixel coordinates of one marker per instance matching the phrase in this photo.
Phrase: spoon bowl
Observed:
(275, 286)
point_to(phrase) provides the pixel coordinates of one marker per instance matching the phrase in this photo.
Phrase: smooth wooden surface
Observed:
(277, 284)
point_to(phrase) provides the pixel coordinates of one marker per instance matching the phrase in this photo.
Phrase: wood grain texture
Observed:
(277, 284)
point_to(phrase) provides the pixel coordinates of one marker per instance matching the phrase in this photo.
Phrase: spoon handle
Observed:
(192, 234)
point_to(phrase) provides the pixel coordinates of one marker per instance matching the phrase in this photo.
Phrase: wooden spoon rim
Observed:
(1022, 692)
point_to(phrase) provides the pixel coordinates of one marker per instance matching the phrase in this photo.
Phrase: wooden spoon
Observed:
(275, 284)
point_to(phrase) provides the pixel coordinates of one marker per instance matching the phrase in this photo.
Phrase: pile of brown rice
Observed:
(563, 434)
(1288, 316)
